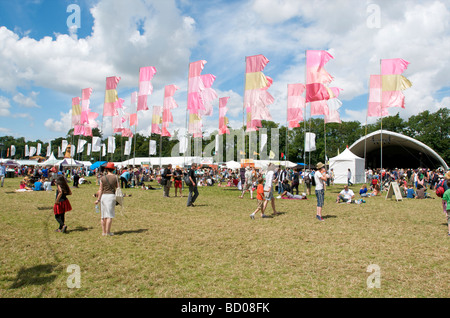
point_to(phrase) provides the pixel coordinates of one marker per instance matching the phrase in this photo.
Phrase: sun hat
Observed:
(110, 165)
(320, 165)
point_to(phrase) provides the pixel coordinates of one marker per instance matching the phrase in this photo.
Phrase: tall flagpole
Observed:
(287, 129)
(244, 110)
(381, 141)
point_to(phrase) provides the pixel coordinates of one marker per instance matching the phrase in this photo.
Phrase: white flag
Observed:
(128, 143)
(13, 150)
(96, 144)
(262, 142)
(38, 151)
(64, 145)
(49, 149)
(103, 150)
(217, 143)
(81, 144)
(310, 142)
(89, 147)
(152, 147)
(72, 151)
(59, 152)
(183, 144)
(27, 151)
(111, 144)
(32, 151)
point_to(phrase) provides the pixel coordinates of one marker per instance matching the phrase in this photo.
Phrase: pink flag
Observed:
(145, 86)
(223, 121)
(87, 131)
(333, 105)
(85, 96)
(169, 104)
(111, 97)
(200, 96)
(76, 111)
(256, 96)
(126, 132)
(156, 120)
(78, 130)
(374, 104)
(133, 119)
(316, 75)
(296, 104)
(393, 83)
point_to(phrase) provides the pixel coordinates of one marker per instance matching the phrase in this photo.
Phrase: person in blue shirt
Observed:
(124, 178)
(410, 194)
(45, 172)
(38, 185)
(363, 191)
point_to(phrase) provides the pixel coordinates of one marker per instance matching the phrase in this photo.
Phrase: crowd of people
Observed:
(260, 183)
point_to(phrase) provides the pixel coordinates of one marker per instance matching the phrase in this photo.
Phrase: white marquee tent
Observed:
(348, 160)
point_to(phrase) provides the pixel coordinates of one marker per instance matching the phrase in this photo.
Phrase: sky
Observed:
(48, 55)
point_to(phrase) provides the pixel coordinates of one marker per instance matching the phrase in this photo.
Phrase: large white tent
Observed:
(164, 161)
(51, 161)
(347, 160)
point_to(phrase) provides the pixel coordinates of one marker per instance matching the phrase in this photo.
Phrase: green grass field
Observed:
(163, 249)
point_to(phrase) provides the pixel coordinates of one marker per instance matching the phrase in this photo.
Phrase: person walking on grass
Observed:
(193, 190)
(268, 188)
(62, 204)
(107, 196)
(260, 199)
(320, 179)
(166, 180)
(248, 183)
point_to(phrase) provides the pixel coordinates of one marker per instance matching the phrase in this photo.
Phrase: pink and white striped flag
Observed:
(111, 97)
(223, 120)
(145, 86)
(296, 104)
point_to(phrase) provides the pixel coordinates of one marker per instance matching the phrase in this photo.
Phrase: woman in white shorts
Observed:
(107, 196)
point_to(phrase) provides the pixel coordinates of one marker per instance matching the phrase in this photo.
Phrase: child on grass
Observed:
(260, 199)
(62, 204)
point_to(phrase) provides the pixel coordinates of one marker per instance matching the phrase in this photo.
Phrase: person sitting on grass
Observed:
(47, 185)
(410, 194)
(38, 185)
(363, 191)
(345, 195)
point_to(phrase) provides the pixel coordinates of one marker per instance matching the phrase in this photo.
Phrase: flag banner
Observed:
(126, 132)
(87, 131)
(374, 108)
(393, 83)
(111, 96)
(152, 148)
(223, 121)
(296, 104)
(310, 142)
(117, 124)
(76, 111)
(96, 144)
(38, 150)
(262, 142)
(13, 150)
(316, 75)
(184, 142)
(169, 104)
(133, 119)
(72, 151)
(89, 148)
(200, 95)
(49, 150)
(333, 116)
(145, 86)
(156, 120)
(78, 130)
(111, 144)
(103, 150)
(60, 153)
(256, 96)
(195, 125)
(64, 145)
(85, 103)
(92, 120)
(127, 150)
(80, 147)
(27, 151)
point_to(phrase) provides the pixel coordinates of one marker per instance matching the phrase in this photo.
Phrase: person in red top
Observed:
(260, 199)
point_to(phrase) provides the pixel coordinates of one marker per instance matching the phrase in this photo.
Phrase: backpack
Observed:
(440, 189)
(187, 180)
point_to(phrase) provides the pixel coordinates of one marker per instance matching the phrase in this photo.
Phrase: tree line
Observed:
(430, 128)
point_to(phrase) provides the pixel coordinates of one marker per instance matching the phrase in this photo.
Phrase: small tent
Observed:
(347, 160)
(51, 161)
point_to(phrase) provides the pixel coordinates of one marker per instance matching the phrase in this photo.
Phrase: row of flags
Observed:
(385, 90)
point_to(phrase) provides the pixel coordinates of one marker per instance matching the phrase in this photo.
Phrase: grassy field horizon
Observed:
(163, 249)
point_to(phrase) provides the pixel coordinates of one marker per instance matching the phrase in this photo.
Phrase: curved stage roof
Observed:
(399, 151)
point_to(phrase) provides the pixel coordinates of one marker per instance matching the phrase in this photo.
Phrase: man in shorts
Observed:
(320, 178)
(177, 179)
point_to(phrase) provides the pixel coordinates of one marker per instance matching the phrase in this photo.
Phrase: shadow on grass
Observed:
(329, 217)
(36, 275)
(130, 232)
(44, 208)
(80, 229)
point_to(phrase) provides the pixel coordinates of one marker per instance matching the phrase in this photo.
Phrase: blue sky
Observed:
(44, 64)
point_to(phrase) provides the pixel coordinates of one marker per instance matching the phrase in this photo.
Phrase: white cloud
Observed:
(25, 101)
(63, 125)
(4, 106)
